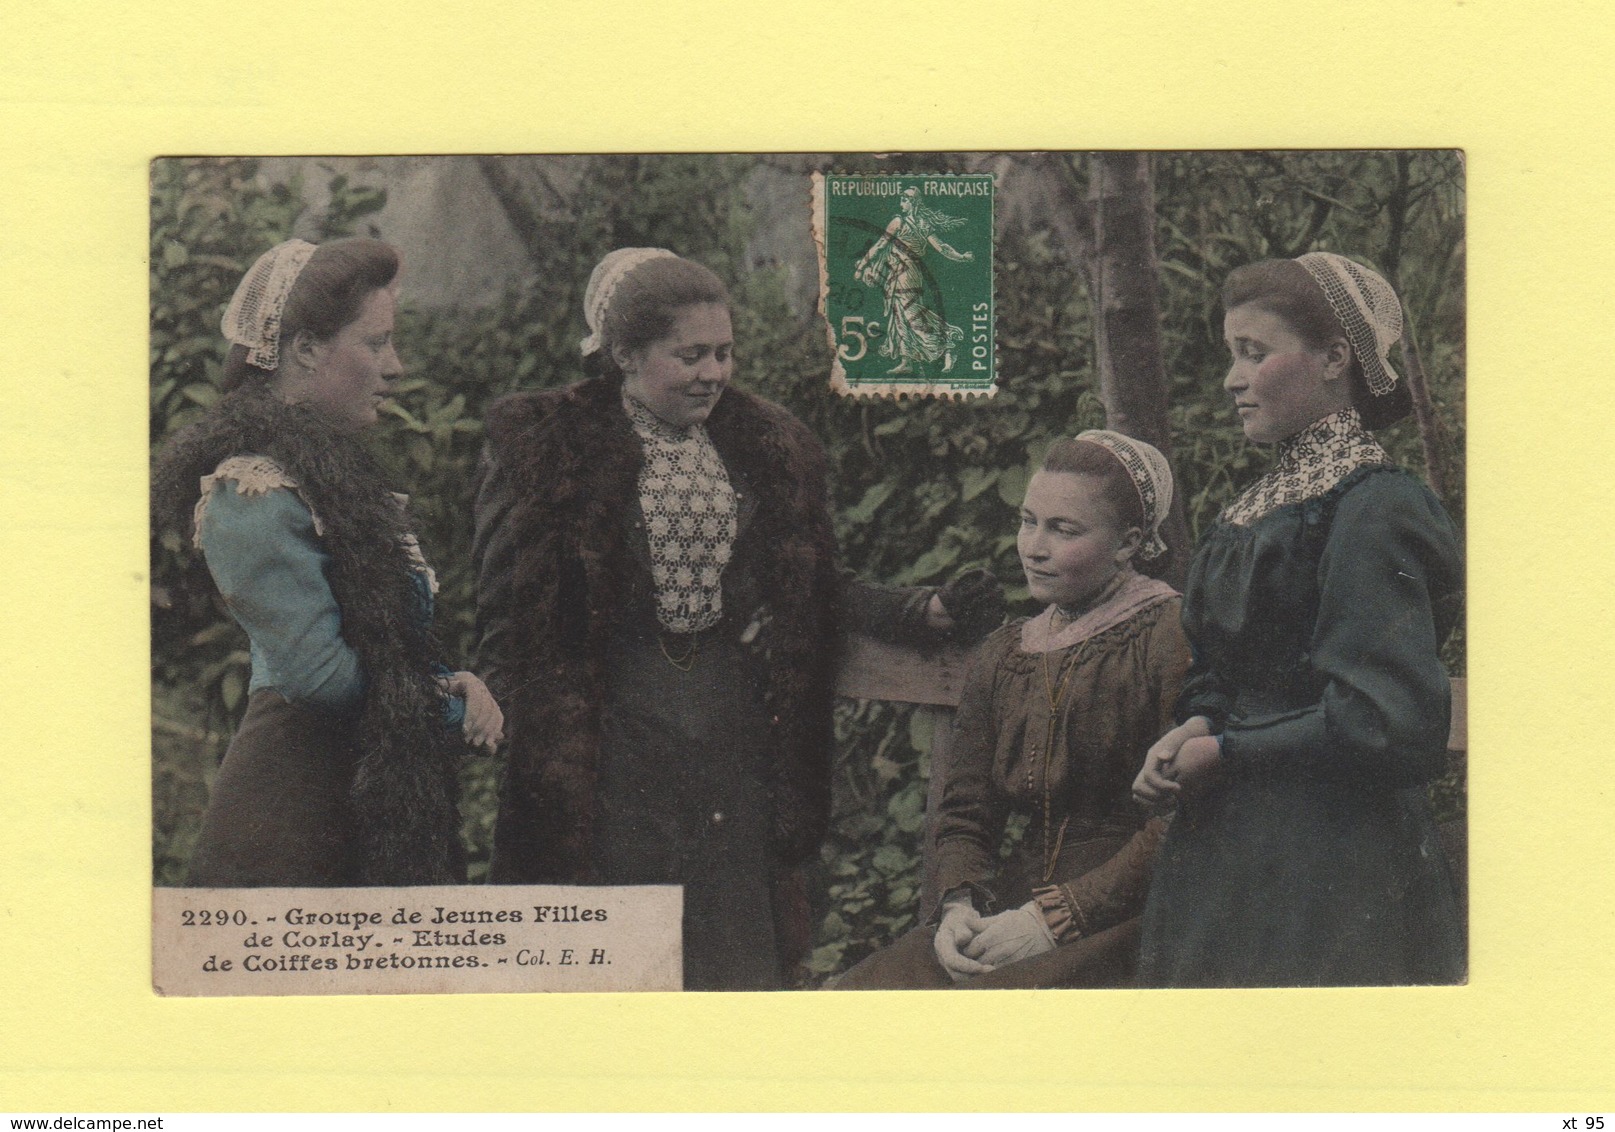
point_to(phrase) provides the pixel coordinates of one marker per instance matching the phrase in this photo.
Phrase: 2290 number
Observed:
(206, 918)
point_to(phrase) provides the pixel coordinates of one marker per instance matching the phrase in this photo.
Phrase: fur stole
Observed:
(556, 564)
(404, 791)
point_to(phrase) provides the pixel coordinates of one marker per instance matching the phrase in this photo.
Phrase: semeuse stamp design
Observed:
(906, 281)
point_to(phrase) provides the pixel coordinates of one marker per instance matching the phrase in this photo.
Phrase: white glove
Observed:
(1011, 936)
(960, 923)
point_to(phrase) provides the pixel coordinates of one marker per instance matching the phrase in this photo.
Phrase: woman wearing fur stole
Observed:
(659, 609)
(343, 771)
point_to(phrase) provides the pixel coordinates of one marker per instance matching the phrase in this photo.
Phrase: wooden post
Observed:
(941, 752)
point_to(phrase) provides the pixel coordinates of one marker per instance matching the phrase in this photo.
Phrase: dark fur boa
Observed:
(405, 787)
(559, 487)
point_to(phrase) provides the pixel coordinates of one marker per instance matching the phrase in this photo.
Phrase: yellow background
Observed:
(89, 92)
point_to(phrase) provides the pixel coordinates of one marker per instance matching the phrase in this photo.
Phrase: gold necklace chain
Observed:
(682, 663)
(1055, 691)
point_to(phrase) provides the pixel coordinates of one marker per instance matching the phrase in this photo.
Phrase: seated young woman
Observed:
(1056, 711)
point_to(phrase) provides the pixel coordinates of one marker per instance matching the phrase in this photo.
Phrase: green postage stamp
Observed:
(906, 281)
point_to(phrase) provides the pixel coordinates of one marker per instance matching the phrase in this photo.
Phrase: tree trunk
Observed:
(1124, 279)
(514, 201)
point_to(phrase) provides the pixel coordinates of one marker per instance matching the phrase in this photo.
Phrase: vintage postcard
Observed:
(808, 571)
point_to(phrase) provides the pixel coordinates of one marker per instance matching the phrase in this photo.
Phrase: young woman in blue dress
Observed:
(343, 770)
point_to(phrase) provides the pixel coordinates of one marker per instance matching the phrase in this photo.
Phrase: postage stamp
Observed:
(906, 281)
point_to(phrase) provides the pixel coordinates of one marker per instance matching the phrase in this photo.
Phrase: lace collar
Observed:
(1307, 465)
(1049, 631)
(649, 426)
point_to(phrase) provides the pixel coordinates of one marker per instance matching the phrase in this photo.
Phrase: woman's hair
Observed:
(647, 302)
(1070, 456)
(329, 291)
(1284, 288)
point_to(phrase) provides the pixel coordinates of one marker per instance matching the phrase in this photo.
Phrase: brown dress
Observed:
(1054, 726)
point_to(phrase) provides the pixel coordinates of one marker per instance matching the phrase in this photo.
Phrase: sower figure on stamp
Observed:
(915, 333)
(659, 610)
(344, 770)
(1303, 851)
(1055, 713)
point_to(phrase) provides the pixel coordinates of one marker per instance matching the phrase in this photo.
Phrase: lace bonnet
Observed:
(1151, 475)
(253, 317)
(604, 280)
(1367, 309)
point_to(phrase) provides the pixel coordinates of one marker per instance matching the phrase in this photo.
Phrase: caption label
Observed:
(427, 940)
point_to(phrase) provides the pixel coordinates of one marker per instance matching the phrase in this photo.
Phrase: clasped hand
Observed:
(484, 723)
(1186, 757)
(968, 943)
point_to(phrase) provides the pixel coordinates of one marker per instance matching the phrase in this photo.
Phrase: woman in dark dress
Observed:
(1303, 851)
(659, 610)
(343, 771)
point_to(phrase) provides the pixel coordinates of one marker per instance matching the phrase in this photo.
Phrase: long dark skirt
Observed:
(683, 799)
(1302, 882)
(278, 814)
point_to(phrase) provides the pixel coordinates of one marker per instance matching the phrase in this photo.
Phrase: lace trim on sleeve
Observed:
(1058, 904)
(412, 547)
(252, 475)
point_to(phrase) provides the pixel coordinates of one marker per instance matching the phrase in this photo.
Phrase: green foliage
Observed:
(923, 489)
(872, 862)
(1401, 212)
(209, 220)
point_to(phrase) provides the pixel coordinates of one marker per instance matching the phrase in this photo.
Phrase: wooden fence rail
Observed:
(874, 670)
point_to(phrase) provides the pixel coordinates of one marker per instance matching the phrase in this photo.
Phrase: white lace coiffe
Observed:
(604, 280)
(1368, 310)
(1151, 475)
(690, 514)
(253, 317)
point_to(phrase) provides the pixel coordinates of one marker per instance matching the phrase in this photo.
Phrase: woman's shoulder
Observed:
(531, 415)
(1387, 497)
(251, 499)
(999, 649)
(1392, 507)
(742, 409)
(1004, 638)
(1158, 613)
(1162, 627)
(1151, 633)
(1378, 484)
(766, 438)
(251, 473)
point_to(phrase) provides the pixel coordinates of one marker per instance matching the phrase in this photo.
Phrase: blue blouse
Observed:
(269, 564)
